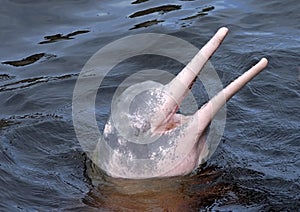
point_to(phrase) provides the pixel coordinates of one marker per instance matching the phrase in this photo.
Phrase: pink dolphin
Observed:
(154, 140)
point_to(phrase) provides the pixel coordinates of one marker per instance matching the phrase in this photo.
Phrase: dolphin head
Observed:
(147, 137)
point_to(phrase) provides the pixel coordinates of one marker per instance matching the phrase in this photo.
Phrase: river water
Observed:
(44, 46)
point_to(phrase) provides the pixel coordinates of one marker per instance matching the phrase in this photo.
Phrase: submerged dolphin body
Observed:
(149, 139)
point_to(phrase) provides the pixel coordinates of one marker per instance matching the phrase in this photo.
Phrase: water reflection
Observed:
(161, 9)
(25, 83)
(5, 123)
(139, 1)
(167, 194)
(29, 60)
(203, 12)
(146, 24)
(211, 188)
(57, 37)
(4, 77)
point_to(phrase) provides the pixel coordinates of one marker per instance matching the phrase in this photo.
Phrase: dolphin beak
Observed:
(209, 110)
(177, 89)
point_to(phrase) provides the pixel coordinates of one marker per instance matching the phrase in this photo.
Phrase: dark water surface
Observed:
(44, 45)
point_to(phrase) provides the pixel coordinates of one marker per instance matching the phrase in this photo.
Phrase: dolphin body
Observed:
(149, 139)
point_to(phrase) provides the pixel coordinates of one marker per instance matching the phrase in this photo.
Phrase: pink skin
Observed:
(190, 145)
(209, 110)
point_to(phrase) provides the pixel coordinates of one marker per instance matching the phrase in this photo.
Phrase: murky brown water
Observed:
(44, 45)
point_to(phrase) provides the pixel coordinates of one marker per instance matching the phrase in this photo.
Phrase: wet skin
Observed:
(157, 117)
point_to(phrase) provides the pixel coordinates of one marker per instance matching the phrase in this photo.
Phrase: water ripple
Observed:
(25, 83)
(58, 37)
(29, 60)
(160, 9)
